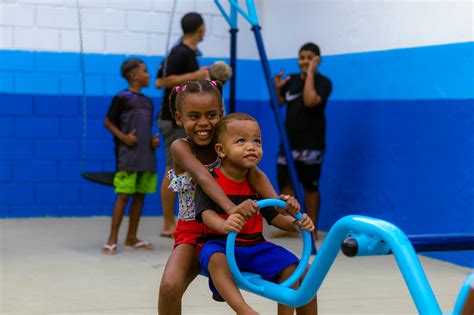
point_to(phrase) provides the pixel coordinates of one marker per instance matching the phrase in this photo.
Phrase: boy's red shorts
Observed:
(188, 232)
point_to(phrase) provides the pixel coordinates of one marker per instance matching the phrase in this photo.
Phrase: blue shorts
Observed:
(265, 259)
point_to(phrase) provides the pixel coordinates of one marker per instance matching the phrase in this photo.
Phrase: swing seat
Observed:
(103, 178)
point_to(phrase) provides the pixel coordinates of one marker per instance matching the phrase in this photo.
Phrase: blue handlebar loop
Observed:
(244, 282)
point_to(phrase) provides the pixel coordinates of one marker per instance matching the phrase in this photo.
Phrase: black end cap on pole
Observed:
(349, 247)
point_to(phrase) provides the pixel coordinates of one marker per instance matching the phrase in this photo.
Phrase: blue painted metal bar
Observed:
(399, 244)
(224, 14)
(467, 287)
(233, 58)
(245, 15)
(252, 11)
(359, 244)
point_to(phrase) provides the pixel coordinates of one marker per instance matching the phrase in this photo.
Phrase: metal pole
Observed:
(233, 57)
(281, 128)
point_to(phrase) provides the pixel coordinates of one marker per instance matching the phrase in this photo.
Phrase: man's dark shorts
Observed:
(170, 132)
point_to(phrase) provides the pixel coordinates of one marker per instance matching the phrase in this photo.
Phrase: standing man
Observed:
(180, 66)
(305, 94)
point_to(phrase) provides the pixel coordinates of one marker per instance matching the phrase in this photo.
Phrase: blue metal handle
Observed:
(234, 269)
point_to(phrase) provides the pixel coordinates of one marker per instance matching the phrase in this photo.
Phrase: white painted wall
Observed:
(108, 26)
(347, 26)
(141, 26)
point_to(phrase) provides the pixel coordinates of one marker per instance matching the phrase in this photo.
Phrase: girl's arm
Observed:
(259, 181)
(185, 159)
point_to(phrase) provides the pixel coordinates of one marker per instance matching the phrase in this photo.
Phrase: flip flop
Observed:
(141, 245)
(109, 249)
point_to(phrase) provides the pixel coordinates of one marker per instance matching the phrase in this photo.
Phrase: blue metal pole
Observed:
(281, 128)
(233, 57)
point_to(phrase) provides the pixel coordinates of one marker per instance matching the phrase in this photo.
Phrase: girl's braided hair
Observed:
(178, 93)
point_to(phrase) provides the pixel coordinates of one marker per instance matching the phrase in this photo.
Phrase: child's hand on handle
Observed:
(155, 141)
(292, 205)
(246, 208)
(234, 223)
(131, 138)
(305, 223)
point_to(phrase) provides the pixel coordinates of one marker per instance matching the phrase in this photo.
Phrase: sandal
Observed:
(141, 245)
(109, 249)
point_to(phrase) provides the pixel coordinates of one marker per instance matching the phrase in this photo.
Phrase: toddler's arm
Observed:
(234, 222)
(259, 181)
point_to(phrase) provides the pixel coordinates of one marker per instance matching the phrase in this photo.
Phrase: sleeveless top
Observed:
(185, 186)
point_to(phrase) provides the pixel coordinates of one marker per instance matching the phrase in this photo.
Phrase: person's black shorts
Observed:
(307, 174)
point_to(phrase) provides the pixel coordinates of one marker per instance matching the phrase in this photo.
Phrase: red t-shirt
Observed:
(251, 233)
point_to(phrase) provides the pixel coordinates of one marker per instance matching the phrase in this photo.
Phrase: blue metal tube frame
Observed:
(233, 58)
(232, 21)
(398, 243)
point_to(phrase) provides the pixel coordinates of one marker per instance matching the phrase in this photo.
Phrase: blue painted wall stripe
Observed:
(433, 72)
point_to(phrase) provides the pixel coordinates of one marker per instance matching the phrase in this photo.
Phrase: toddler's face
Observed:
(241, 145)
(198, 114)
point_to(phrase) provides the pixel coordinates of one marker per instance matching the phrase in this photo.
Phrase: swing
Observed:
(103, 177)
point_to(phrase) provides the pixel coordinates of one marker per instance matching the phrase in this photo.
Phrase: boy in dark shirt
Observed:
(238, 144)
(179, 66)
(130, 120)
(306, 94)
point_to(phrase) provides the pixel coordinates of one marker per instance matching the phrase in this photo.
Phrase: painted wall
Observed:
(400, 120)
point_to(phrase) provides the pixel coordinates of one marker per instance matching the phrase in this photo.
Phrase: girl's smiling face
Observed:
(198, 113)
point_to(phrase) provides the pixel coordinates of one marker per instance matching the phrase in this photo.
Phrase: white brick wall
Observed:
(6, 36)
(108, 26)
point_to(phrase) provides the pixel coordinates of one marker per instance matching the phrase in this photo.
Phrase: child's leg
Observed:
(285, 274)
(119, 209)
(117, 216)
(181, 269)
(134, 218)
(168, 198)
(225, 284)
(312, 307)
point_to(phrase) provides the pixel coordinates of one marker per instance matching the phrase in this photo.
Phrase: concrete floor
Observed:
(54, 266)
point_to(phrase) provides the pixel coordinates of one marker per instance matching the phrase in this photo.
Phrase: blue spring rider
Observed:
(397, 241)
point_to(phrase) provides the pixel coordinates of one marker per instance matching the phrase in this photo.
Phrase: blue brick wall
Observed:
(401, 154)
(41, 139)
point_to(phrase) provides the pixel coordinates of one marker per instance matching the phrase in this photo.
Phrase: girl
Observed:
(197, 107)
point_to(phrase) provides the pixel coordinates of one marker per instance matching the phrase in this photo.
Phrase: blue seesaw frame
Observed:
(394, 239)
